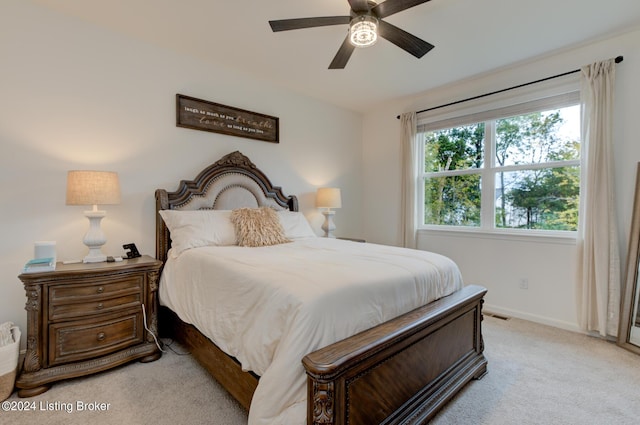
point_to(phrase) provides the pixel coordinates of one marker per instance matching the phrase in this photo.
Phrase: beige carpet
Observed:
(537, 375)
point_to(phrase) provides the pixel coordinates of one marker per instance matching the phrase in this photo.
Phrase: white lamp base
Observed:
(328, 226)
(94, 238)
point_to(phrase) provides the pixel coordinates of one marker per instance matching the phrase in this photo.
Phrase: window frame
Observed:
(538, 97)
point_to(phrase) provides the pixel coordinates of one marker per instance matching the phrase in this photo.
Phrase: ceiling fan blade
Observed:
(342, 57)
(359, 5)
(390, 7)
(412, 44)
(300, 23)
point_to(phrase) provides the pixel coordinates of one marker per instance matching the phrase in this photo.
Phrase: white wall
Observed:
(74, 96)
(497, 263)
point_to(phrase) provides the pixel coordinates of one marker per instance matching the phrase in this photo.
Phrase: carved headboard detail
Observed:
(231, 182)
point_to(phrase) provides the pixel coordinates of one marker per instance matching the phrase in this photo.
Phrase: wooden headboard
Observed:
(229, 183)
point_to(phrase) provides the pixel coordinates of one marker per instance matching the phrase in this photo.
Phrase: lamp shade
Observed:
(328, 197)
(92, 188)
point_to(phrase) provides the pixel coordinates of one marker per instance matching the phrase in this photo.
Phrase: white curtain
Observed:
(409, 177)
(599, 278)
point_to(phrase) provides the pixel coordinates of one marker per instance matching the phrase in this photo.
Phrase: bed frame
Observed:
(399, 372)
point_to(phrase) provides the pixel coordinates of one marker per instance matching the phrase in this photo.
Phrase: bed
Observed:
(393, 367)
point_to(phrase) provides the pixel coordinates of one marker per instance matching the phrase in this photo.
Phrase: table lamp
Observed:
(328, 197)
(93, 188)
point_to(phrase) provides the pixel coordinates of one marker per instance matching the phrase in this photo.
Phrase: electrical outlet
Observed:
(523, 283)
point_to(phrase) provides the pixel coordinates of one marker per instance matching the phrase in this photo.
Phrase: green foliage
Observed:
(536, 198)
(545, 199)
(454, 200)
(455, 148)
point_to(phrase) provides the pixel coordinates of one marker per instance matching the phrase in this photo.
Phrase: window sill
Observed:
(546, 237)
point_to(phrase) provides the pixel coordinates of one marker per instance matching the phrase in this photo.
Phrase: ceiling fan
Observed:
(365, 25)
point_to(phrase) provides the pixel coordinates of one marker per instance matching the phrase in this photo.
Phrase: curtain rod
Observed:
(617, 60)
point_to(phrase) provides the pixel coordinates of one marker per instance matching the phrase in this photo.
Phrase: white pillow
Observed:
(193, 229)
(295, 225)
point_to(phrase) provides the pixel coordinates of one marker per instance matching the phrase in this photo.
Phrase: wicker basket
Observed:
(9, 364)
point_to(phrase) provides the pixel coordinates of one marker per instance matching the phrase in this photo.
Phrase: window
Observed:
(514, 168)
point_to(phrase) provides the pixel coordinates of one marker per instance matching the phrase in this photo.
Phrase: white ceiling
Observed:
(470, 37)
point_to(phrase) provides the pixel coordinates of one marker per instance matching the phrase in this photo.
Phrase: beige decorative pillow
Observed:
(257, 227)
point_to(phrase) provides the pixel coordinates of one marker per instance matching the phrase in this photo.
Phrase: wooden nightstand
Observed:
(86, 318)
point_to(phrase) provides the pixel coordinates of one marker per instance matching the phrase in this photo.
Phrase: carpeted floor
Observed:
(537, 375)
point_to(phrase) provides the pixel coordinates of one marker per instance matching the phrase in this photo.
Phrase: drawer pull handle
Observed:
(100, 290)
(100, 306)
(101, 336)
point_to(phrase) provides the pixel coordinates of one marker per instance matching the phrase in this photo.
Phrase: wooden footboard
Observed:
(402, 371)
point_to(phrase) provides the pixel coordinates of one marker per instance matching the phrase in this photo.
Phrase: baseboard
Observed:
(573, 327)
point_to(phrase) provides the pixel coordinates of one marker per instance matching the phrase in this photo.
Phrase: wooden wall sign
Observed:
(200, 114)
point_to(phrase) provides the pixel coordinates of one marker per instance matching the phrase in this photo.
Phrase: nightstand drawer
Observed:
(69, 301)
(101, 306)
(59, 294)
(73, 341)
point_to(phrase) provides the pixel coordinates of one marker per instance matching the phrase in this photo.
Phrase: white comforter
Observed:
(269, 307)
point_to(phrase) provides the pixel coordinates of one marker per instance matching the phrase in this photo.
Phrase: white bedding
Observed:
(270, 306)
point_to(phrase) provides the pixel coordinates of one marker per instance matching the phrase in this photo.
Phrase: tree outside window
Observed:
(532, 172)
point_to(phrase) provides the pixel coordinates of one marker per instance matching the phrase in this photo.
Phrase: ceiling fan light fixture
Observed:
(363, 31)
